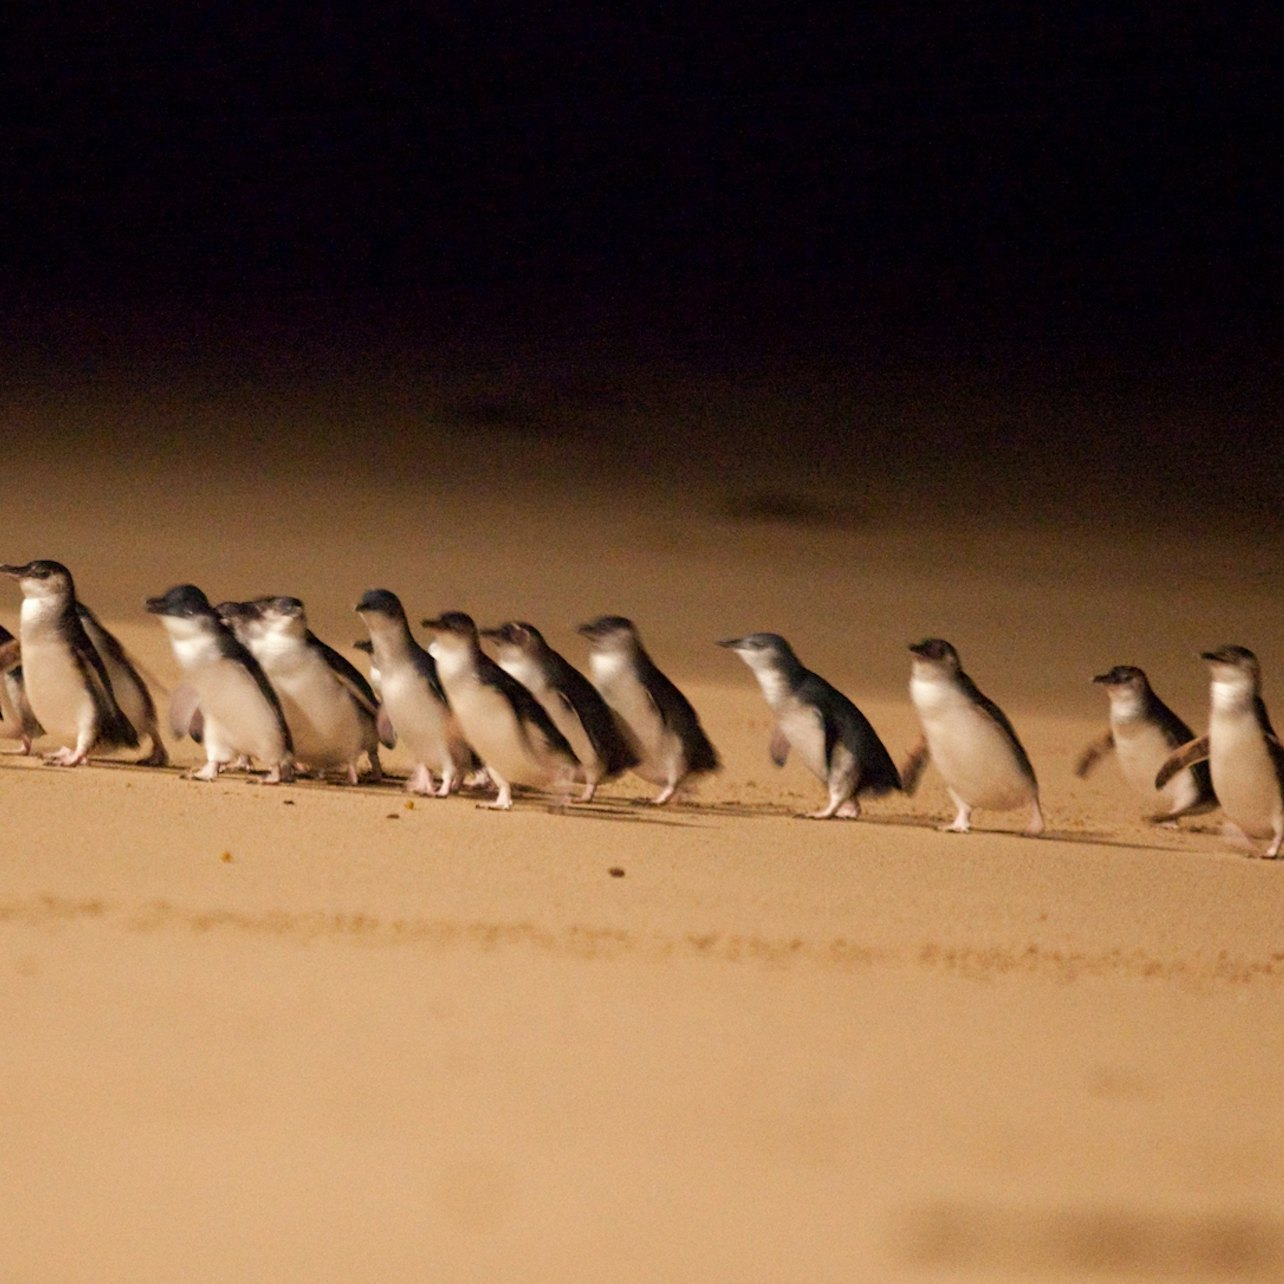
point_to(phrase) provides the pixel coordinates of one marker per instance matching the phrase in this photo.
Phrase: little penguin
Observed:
(969, 738)
(1143, 732)
(17, 722)
(66, 682)
(226, 701)
(657, 719)
(127, 683)
(832, 736)
(331, 710)
(414, 704)
(569, 698)
(1244, 754)
(499, 717)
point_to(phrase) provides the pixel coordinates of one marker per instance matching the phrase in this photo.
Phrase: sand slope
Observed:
(317, 1033)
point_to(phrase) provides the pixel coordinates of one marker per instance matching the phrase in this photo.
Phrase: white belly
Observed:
(237, 715)
(324, 722)
(970, 750)
(805, 731)
(659, 751)
(1142, 749)
(1243, 773)
(420, 720)
(55, 689)
(490, 726)
(562, 717)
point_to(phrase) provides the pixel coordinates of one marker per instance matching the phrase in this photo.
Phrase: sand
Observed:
(326, 1033)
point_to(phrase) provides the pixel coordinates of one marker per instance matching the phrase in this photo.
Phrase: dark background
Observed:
(1079, 196)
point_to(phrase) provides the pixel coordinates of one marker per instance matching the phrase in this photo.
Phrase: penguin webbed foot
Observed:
(158, 757)
(65, 757)
(843, 809)
(962, 822)
(503, 800)
(1036, 825)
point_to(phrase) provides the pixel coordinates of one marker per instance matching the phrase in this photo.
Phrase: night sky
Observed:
(1071, 177)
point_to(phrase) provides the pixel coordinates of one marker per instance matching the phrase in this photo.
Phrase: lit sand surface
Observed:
(318, 1033)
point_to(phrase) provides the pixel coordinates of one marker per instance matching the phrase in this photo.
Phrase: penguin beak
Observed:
(732, 644)
(1221, 656)
(13, 572)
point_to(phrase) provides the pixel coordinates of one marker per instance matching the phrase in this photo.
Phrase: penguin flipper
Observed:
(10, 655)
(1186, 756)
(348, 675)
(914, 766)
(114, 729)
(779, 747)
(1093, 754)
(185, 717)
(386, 731)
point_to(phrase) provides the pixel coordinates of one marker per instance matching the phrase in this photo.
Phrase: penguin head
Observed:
(284, 615)
(1127, 689)
(516, 635)
(243, 618)
(42, 579)
(936, 653)
(183, 601)
(762, 651)
(453, 634)
(1234, 667)
(381, 602)
(610, 633)
(186, 613)
(454, 623)
(1123, 675)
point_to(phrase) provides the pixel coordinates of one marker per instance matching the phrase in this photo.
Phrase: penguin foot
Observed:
(208, 772)
(956, 827)
(420, 781)
(1036, 825)
(849, 809)
(158, 757)
(503, 800)
(66, 757)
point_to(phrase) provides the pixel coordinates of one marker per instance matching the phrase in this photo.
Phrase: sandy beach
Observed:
(333, 1033)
